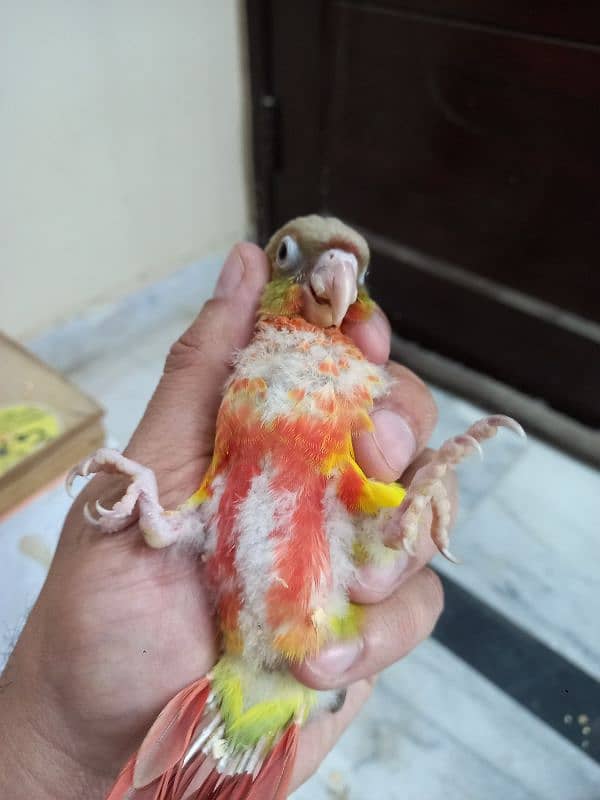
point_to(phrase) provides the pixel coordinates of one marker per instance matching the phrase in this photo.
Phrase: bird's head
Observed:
(318, 268)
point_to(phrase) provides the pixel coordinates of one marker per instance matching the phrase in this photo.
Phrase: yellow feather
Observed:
(376, 495)
(248, 722)
(349, 624)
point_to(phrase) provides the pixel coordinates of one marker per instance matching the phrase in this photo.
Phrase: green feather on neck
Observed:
(281, 297)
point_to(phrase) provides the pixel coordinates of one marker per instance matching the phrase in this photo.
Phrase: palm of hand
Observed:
(136, 626)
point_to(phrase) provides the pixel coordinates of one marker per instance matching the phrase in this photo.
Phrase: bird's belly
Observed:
(279, 561)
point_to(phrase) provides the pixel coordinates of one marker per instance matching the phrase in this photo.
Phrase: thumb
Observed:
(179, 423)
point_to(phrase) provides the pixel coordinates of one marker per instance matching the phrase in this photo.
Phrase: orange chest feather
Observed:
(296, 392)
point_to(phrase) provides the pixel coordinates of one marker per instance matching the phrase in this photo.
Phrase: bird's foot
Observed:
(428, 488)
(159, 527)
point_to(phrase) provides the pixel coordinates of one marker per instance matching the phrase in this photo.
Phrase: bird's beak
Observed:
(332, 288)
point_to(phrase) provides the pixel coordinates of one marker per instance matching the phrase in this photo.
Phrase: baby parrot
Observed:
(282, 518)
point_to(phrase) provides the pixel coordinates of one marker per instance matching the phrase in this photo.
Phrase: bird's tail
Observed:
(229, 736)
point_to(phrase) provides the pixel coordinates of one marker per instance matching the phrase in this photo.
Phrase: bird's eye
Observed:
(288, 254)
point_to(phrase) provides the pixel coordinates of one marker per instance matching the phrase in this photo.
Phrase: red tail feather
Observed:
(124, 783)
(124, 790)
(198, 772)
(157, 771)
(168, 739)
(274, 778)
(150, 772)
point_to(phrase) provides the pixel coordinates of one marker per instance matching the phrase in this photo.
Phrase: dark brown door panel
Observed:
(474, 146)
(531, 354)
(466, 134)
(575, 22)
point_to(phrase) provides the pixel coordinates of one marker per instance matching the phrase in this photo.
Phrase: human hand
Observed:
(119, 628)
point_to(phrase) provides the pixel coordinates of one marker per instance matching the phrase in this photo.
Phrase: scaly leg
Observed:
(428, 489)
(159, 527)
(378, 538)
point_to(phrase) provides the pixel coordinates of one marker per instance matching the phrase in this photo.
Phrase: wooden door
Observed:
(464, 140)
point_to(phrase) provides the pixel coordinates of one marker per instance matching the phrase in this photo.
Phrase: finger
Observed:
(403, 422)
(319, 736)
(373, 336)
(371, 583)
(198, 364)
(391, 629)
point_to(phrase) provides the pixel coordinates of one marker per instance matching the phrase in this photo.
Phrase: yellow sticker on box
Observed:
(23, 430)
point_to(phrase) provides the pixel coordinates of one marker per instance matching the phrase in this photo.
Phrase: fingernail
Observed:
(383, 579)
(231, 276)
(335, 660)
(394, 439)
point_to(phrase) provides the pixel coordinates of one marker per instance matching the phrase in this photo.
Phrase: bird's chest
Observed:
(305, 374)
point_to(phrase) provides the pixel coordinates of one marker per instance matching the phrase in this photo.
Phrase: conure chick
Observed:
(282, 518)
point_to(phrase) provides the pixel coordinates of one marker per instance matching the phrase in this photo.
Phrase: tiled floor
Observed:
(528, 536)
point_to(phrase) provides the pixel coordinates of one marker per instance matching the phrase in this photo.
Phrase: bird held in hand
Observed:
(282, 518)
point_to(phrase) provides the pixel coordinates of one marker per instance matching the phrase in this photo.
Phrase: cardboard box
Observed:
(46, 425)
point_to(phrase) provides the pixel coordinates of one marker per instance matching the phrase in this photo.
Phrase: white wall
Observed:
(122, 147)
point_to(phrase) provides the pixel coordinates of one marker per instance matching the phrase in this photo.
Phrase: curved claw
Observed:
(503, 421)
(70, 479)
(447, 554)
(89, 516)
(107, 512)
(76, 472)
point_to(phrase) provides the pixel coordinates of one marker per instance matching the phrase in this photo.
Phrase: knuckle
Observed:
(179, 355)
(396, 632)
(408, 617)
(410, 625)
(195, 341)
(422, 608)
